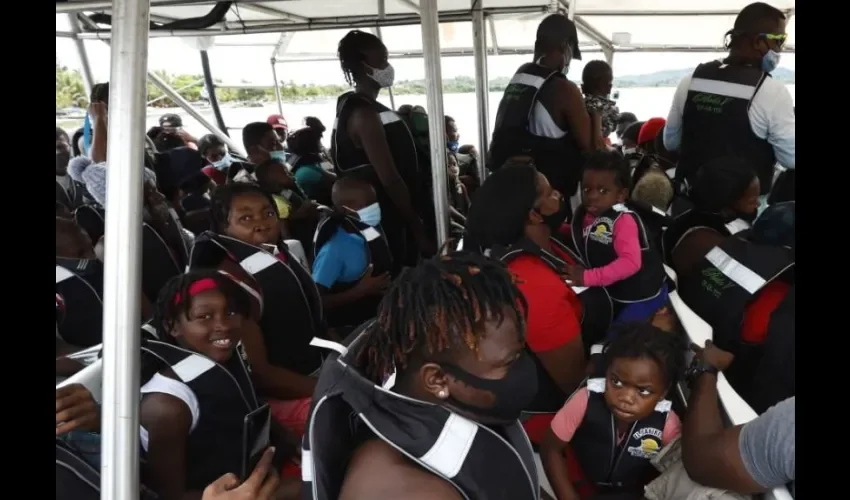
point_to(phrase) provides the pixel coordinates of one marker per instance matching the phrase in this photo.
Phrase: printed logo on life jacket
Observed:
(650, 443)
(601, 231)
(712, 103)
(715, 282)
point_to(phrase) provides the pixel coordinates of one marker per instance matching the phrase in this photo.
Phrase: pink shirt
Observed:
(627, 246)
(569, 418)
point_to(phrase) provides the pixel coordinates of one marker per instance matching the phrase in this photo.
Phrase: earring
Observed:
(442, 394)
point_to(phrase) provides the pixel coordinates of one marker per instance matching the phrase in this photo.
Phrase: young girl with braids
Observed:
(613, 427)
(453, 329)
(196, 389)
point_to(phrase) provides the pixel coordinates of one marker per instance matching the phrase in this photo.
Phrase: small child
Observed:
(613, 242)
(597, 79)
(614, 426)
(343, 268)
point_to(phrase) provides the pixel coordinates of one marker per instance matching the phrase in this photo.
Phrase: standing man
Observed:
(542, 115)
(733, 107)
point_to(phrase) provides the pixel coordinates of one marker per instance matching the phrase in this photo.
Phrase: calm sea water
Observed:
(643, 102)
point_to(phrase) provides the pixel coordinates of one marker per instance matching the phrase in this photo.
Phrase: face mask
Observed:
(555, 220)
(383, 77)
(453, 146)
(514, 392)
(278, 156)
(770, 61)
(223, 163)
(371, 215)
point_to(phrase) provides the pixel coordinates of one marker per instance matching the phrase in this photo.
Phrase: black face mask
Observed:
(62, 160)
(514, 392)
(554, 220)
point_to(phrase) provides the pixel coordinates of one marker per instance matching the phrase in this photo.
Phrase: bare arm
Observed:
(369, 133)
(554, 464)
(167, 420)
(575, 113)
(98, 114)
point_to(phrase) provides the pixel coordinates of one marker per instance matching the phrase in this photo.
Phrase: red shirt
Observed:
(554, 315)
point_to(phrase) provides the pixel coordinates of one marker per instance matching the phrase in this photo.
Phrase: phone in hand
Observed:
(255, 438)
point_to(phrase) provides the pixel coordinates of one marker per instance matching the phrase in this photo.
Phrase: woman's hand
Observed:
(76, 409)
(574, 274)
(97, 111)
(262, 484)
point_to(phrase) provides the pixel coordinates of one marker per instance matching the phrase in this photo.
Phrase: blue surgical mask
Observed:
(770, 61)
(224, 162)
(453, 146)
(278, 156)
(370, 215)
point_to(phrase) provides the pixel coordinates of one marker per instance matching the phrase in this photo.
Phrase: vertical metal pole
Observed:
(277, 86)
(436, 121)
(85, 67)
(382, 14)
(123, 259)
(482, 85)
(210, 85)
(571, 9)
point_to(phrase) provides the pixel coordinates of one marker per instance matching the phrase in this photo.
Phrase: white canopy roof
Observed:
(651, 25)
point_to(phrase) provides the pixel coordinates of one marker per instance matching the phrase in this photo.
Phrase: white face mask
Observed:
(383, 77)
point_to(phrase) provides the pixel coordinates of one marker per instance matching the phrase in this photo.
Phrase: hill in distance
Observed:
(671, 78)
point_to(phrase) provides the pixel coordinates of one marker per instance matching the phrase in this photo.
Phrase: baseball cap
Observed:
(170, 120)
(557, 26)
(277, 121)
(650, 129)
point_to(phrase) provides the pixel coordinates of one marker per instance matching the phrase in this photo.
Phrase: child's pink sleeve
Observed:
(672, 428)
(628, 261)
(569, 418)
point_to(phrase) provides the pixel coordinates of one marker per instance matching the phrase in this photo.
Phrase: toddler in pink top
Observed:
(613, 243)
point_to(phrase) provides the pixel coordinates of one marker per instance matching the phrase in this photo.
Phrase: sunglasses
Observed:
(778, 38)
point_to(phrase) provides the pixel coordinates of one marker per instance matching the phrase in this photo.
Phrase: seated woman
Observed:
(451, 331)
(246, 243)
(512, 218)
(614, 426)
(741, 288)
(305, 149)
(725, 200)
(196, 389)
(614, 242)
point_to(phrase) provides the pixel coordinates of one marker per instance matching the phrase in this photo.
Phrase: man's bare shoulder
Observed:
(377, 470)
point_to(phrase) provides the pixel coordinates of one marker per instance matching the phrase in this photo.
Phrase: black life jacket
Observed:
(91, 218)
(691, 220)
(480, 462)
(159, 264)
(77, 479)
(597, 249)
(73, 198)
(80, 283)
(520, 115)
(597, 315)
(774, 379)
(225, 396)
(716, 122)
(349, 160)
(655, 222)
(292, 313)
(728, 279)
(377, 253)
(610, 467)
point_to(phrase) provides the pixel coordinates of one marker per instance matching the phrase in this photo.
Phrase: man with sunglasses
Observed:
(733, 107)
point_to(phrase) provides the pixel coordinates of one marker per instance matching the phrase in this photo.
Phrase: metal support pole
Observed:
(210, 85)
(571, 10)
(382, 14)
(122, 289)
(436, 123)
(277, 87)
(187, 107)
(482, 84)
(85, 67)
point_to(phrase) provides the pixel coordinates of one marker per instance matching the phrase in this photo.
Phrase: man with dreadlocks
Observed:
(452, 331)
(733, 107)
(372, 142)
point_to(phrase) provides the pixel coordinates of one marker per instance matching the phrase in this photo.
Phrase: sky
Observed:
(234, 64)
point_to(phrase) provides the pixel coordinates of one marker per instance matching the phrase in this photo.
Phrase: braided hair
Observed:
(351, 50)
(639, 340)
(223, 199)
(440, 304)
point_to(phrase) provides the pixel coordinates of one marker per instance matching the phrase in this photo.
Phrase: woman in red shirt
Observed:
(512, 217)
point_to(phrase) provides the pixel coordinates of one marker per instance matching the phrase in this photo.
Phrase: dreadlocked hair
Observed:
(350, 52)
(223, 199)
(440, 304)
(637, 340)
